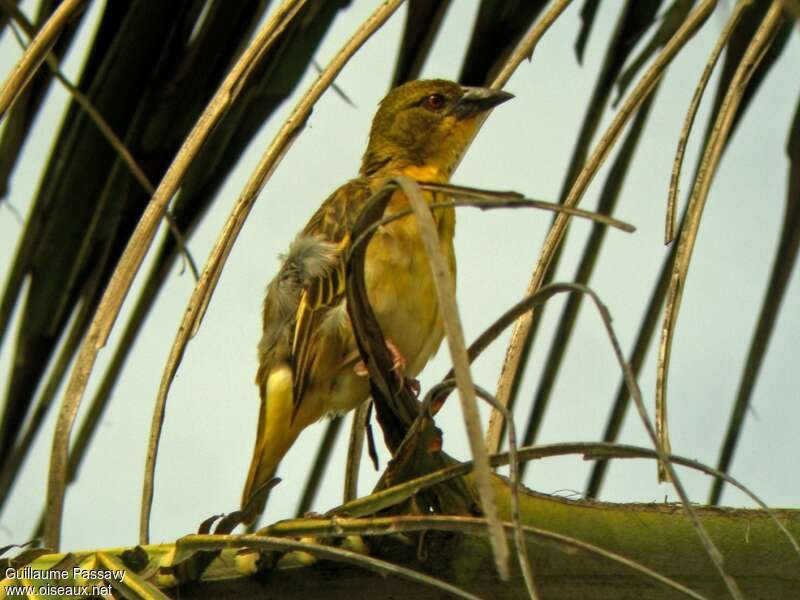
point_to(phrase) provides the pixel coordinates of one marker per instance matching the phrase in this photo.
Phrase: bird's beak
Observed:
(475, 100)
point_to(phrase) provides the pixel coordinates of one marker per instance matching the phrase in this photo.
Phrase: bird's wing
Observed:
(324, 291)
(311, 280)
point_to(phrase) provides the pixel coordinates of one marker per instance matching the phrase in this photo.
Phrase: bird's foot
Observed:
(398, 365)
(398, 361)
(360, 369)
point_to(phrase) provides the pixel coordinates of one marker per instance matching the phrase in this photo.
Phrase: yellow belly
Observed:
(401, 289)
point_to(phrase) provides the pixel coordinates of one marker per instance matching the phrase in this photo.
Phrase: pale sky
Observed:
(525, 146)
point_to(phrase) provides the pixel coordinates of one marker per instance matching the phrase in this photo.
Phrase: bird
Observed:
(309, 364)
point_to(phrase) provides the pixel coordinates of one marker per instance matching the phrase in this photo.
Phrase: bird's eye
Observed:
(434, 102)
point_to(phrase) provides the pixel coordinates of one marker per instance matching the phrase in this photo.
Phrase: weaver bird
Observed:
(309, 363)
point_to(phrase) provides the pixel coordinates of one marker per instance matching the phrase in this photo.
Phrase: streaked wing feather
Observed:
(305, 323)
(333, 222)
(322, 293)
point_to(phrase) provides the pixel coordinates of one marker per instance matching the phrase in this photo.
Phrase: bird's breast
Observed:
(401, 289)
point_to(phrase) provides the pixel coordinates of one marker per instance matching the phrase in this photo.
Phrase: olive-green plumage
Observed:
(308, 359)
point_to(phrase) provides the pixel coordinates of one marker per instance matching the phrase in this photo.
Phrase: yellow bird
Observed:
(308, 360)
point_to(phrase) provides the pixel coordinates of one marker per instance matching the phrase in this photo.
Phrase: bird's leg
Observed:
(398, 360)
(398, 364)
(399, 369)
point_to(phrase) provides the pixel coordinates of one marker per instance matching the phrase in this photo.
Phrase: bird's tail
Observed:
(276, 433)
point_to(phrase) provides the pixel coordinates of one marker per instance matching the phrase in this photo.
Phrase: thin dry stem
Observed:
(490, 200)
(511, 363)
(341, 526)
(435, 394)
(487, 199)
(635, 393)
(523, 50)
(466, 390)
(37, 51)
(263, 543)
(711, 157)
(590, 451)
(662, 422)
(355, 450)
(691, 113)
(212, 270)
(663, 454)
(516, 515)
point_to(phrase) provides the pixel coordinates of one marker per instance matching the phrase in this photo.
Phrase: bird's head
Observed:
(426, 123)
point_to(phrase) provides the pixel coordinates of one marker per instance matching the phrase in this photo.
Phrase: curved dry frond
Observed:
(591, 254)
(90, 199)
(74, 230)
(634, 19)
(711, 157)
(227, 237)
(89, 230)
(743, 31)
(380, 526)
(261, 542)
(383, 499)
(669, 222)
(454, 333)
(133, 256)
(355, 449)
(20, 118)
(36, 53)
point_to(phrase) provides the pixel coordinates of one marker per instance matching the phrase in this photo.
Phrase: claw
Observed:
(414, 386)
(398, 365)
(398, 361)
(360, 369)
